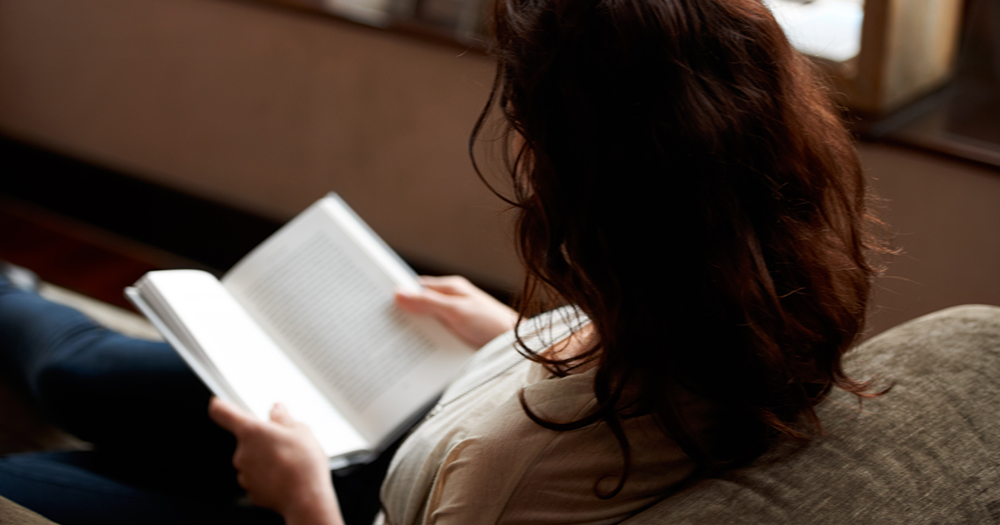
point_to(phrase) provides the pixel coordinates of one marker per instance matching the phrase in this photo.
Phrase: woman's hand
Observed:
(470, 313)
(280, 464)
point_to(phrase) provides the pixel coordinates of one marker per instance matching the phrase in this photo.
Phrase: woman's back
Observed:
(682, 177)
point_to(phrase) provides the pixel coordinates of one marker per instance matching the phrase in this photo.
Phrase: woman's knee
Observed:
(66, 394)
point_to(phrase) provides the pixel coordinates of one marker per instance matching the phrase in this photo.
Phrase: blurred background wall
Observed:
(266, 109)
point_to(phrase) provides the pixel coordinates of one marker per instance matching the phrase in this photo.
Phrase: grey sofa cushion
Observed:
(926, 452)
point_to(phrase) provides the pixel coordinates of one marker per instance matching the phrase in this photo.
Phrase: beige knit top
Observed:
(478, 459)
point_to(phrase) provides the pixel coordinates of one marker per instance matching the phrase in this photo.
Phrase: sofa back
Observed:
(926, 452)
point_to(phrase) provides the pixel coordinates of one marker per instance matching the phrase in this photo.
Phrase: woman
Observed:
(683, 181)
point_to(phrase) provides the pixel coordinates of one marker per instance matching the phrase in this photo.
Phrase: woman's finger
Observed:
(281, 415)
(426, 301)
(229, 416)
(241, 479)
(451, 284)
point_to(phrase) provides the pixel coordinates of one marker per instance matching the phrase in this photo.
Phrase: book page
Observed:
(327, 299)
(219, 339)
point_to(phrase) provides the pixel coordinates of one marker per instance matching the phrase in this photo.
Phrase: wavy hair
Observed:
(682, 177)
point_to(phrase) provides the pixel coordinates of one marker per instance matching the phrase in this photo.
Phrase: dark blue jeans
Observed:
(157, 458)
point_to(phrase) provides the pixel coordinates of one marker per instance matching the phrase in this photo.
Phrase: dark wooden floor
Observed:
(72, 255)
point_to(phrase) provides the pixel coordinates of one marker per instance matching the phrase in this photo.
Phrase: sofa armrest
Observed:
(13, 514)
(926, 452)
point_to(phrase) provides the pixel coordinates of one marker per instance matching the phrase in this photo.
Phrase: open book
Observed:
(307, 319)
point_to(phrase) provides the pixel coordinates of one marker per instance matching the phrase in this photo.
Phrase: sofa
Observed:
(928, 451)
(13, 514)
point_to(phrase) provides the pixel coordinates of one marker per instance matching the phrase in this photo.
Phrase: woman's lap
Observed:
(136, 400)
(157, 454)
(76, 488)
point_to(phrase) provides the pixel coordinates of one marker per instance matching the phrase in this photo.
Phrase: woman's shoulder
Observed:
(486, 463)
(518, 471)
(480, 458)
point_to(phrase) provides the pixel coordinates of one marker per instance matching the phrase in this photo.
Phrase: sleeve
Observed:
(512, 470)
(481, 473)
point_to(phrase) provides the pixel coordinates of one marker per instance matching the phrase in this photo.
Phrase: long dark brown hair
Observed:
(682, 178)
